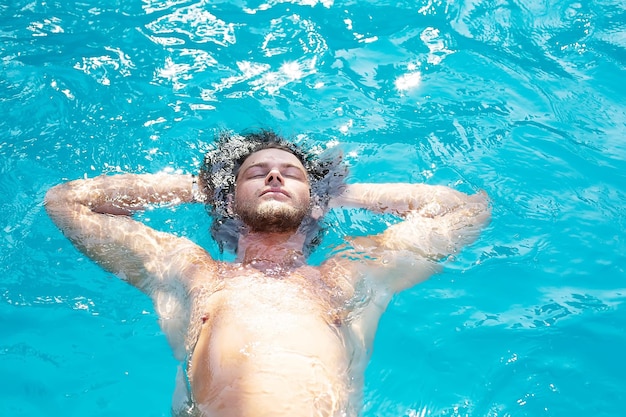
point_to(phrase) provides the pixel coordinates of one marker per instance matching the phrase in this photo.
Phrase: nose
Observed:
(274, 177)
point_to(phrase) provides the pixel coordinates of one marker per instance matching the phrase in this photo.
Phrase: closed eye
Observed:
(287, 171)
(256, 172)
(293, 172)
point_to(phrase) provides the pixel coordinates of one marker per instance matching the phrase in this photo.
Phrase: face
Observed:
(272, 192)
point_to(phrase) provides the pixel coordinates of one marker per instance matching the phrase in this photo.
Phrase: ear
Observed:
(230, 203)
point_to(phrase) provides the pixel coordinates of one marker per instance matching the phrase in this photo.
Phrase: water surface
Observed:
(521, 99)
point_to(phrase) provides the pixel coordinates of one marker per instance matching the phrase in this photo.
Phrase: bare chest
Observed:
(265, 305)
(266, 333)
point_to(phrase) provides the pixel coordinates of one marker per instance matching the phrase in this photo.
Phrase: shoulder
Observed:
(201, 270)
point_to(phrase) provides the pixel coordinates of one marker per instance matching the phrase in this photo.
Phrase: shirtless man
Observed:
(269, 334)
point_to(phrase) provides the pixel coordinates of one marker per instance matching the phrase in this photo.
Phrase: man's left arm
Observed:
(436, 221)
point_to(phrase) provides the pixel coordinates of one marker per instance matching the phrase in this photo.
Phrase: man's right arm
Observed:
(95, 215)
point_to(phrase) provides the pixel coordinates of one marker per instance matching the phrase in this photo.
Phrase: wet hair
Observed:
(217, 177)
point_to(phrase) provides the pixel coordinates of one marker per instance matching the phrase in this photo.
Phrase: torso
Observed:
(272, 344)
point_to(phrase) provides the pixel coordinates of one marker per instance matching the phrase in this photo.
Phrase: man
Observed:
(269, 334)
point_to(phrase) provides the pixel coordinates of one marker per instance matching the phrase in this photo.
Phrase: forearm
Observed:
(123, 194)
(437, 220)
(401, 199)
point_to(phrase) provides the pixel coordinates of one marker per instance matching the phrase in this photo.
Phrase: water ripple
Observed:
(102, 68)
(559, 304)
(192, 24)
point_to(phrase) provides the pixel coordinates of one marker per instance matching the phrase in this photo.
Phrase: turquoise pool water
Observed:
(524, 99)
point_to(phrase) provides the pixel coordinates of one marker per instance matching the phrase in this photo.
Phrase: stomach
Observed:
(270, 348)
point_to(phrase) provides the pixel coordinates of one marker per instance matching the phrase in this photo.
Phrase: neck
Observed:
(271, 251)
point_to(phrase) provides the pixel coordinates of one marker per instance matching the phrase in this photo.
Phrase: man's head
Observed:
(272, 192)
(266, 183)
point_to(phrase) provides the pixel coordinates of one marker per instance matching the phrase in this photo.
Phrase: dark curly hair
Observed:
(217, 177)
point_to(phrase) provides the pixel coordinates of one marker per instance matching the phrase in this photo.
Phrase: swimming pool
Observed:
(521, 99)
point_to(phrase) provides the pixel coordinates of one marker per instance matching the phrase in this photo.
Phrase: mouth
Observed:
(275, 192)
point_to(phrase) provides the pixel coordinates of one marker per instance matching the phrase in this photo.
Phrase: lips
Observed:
(275, 191)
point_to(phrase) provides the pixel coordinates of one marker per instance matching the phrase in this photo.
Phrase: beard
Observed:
(271, 216)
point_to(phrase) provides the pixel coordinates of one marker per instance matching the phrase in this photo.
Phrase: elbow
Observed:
(57, 201)
(474, 213)
(53, 203)
(55, 196)
(481, 214)
(479, 208)
(485, 202)
(52, 197)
